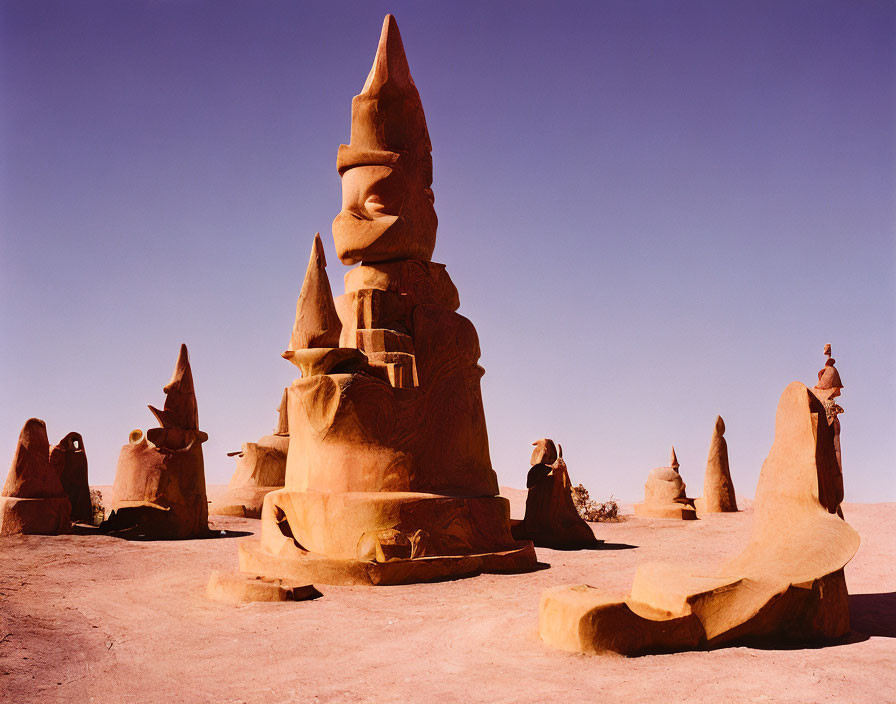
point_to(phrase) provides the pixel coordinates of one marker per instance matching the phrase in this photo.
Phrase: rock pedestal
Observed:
(388, 475)
(33, 500)
(664, 494)
(159, 489)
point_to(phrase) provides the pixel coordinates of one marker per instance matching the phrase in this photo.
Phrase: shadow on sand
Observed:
(873, 615)
(137, 533)
(601, 545)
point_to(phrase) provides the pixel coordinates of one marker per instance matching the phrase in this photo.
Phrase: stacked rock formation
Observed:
(718, 489)
(33, 499)
(827, 389)
(159, 489)
(786, 587)
(664, 494)
(388, 475)
(69, 461)
(551, 520)
(260, 469)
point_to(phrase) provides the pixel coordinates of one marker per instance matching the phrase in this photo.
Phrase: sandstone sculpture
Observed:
(664, 494)
(240, 589)
(69, 461)
(388, 475)
(786, 587)
(260, 469)
(159, 489)
(551, 519)
(33, 499)
(718, 489)
(827, 389)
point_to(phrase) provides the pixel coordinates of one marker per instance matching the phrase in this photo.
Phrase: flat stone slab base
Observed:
(304, 567)
(234, 588)
(682, 512)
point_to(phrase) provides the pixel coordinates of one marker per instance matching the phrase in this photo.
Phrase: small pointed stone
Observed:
(317, 324)
(673, 460)
(390, 65)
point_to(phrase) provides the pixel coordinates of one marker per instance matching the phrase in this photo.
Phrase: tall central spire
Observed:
(387, 203)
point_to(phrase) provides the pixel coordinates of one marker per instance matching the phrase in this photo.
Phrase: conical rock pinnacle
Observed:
(181, 410)
(317, 324)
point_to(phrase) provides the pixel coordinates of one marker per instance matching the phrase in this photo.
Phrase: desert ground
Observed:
(93, 618)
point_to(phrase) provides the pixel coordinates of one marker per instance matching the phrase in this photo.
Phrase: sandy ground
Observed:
(88, 618)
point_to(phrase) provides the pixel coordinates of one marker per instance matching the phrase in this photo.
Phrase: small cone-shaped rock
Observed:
(673, 460)
(181, 410)
(69, 461)
(317, 323)
(33, 499)
(718, 489)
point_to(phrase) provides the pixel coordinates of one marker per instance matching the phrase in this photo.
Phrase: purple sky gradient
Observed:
(654, 212)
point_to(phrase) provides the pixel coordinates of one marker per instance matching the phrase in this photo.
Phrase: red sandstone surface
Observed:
(90, 618)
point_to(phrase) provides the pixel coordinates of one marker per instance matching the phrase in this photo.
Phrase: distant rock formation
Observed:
(718, 489)
(260, 469)
(664, 494)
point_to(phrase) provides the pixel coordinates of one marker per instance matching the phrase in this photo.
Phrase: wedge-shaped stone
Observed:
(786, 587)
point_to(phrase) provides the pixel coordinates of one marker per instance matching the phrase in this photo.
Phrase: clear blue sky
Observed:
(655, 212)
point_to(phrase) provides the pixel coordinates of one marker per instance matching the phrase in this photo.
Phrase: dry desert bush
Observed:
(594, 511)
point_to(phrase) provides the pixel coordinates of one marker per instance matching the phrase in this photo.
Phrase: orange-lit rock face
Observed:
(159, 488)
(388, 459)
(387, 199)
(33, 500)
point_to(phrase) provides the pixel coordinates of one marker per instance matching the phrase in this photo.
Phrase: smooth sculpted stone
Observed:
(718, 489)
(159, 489)
(33, 499)
(786, 587)
(241, 589)
(551, 519)
(314, 345)
(388, 473)
(69, 460)
(664, 494)
(260, 469)
(386, 169)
